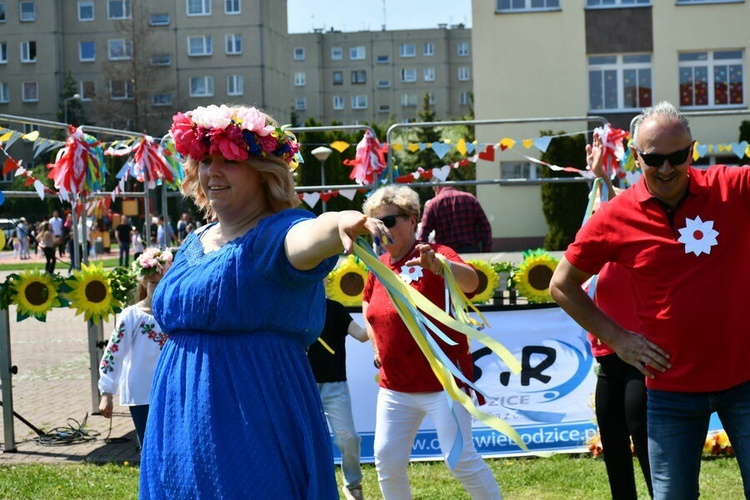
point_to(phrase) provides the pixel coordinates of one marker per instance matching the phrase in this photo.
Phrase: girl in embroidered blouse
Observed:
(130, 357)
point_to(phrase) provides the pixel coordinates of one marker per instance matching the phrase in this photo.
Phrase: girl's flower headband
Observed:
(152, 261)
(234, 133)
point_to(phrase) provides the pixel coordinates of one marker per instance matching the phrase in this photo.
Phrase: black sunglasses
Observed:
(390, 220)
(657, 159)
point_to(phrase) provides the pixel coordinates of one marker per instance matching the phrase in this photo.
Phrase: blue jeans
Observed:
(139, 414)
(124, 255)
(677, 428)
(337, 404)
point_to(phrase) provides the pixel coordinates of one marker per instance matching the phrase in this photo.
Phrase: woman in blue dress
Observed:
(235, 411)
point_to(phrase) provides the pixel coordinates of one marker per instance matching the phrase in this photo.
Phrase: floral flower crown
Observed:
(152, 261)
(234, 133)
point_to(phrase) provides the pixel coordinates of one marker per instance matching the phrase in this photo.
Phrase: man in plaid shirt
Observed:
(458, 221)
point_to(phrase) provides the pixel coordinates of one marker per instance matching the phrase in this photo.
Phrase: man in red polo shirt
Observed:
(684, 236)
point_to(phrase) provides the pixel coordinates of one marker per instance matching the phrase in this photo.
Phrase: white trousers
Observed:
(399, 415)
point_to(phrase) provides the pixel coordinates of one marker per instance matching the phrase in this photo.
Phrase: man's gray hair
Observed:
(664, 108)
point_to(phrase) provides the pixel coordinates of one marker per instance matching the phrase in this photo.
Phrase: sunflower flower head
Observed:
(91, 293)
(35, 293)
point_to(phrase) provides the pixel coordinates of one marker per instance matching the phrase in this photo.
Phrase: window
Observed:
(234, 44)
(29, 92)
(384, 59)
(338, 77)
(338, 102)
(120, 50)
(619, 83)
(86, 10)
(337, 53)
(299, 53)
(463, 74)
(232, 7)
(3, 53)
(356, 53)
(530, 5)
(359, 102)
(159, 19)
(4, 93)
(118, 9)
(120, 90)
(384, 108)
(407, 50)
(463, 49)
(88, 90)
(711, 78)
(429, 49)
(199, 7)
(408, 75)
(161, 59)
(201, 86)
(384, 84)
(299, 78)
(409, 100)
(300, 104)
(199, 46)
(26, 12)
(464, 98)
(359, 77)
(28, 52)
(161, 100)
(617, 3)
(128, 124)
(86, 51)
(518, 170)
(2, 12)
(429, 74)
(235, 85)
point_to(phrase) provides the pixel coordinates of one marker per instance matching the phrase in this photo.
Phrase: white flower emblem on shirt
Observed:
(410, 273)
(698, 236)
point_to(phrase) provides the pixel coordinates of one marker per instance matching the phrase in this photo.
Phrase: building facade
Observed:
(608, 58)
(134, 62)
(381, 76)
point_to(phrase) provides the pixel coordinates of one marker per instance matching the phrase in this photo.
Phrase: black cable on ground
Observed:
(19, 417)
(73, 433)
(109, 440)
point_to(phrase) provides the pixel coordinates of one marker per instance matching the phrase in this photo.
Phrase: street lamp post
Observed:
(322, 153)
(74, 97)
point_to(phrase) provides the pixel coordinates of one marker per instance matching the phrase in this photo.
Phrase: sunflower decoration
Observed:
(488, 281)
(35, 293)
(534, 275)
(346, 283)
(91, 293)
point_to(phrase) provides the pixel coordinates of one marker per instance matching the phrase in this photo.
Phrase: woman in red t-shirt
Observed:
(409, 390)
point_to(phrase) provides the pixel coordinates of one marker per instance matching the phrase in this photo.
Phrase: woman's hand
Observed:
(427, 259)
(105, 405)
(595, 155)
(353, 223)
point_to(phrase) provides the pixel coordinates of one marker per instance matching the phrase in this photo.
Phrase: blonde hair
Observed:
(404, 197)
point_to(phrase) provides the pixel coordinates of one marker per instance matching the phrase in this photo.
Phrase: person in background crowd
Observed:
(620, 396)
(22, 233)
(682, 235)
(164, 233)
(57, 227)
(458, 221)
(329, 369)
(182, 228)
(409, 390)
(136, 242)
(47, 241)
(122, 234)
(235, 411)
(129, 360)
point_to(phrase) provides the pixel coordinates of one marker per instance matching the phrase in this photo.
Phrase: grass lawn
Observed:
(568, 477)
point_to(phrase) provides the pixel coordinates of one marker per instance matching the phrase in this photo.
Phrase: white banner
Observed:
(550, 403)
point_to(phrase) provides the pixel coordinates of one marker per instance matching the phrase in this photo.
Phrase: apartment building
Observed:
(135, 62)
(608, 58)
(377, 76)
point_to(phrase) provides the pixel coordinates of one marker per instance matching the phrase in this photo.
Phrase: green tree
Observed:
(563, 204)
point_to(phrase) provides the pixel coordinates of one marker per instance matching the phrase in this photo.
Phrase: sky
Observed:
(357, 15)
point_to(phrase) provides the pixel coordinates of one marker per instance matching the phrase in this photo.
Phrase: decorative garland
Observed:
(92, 291)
